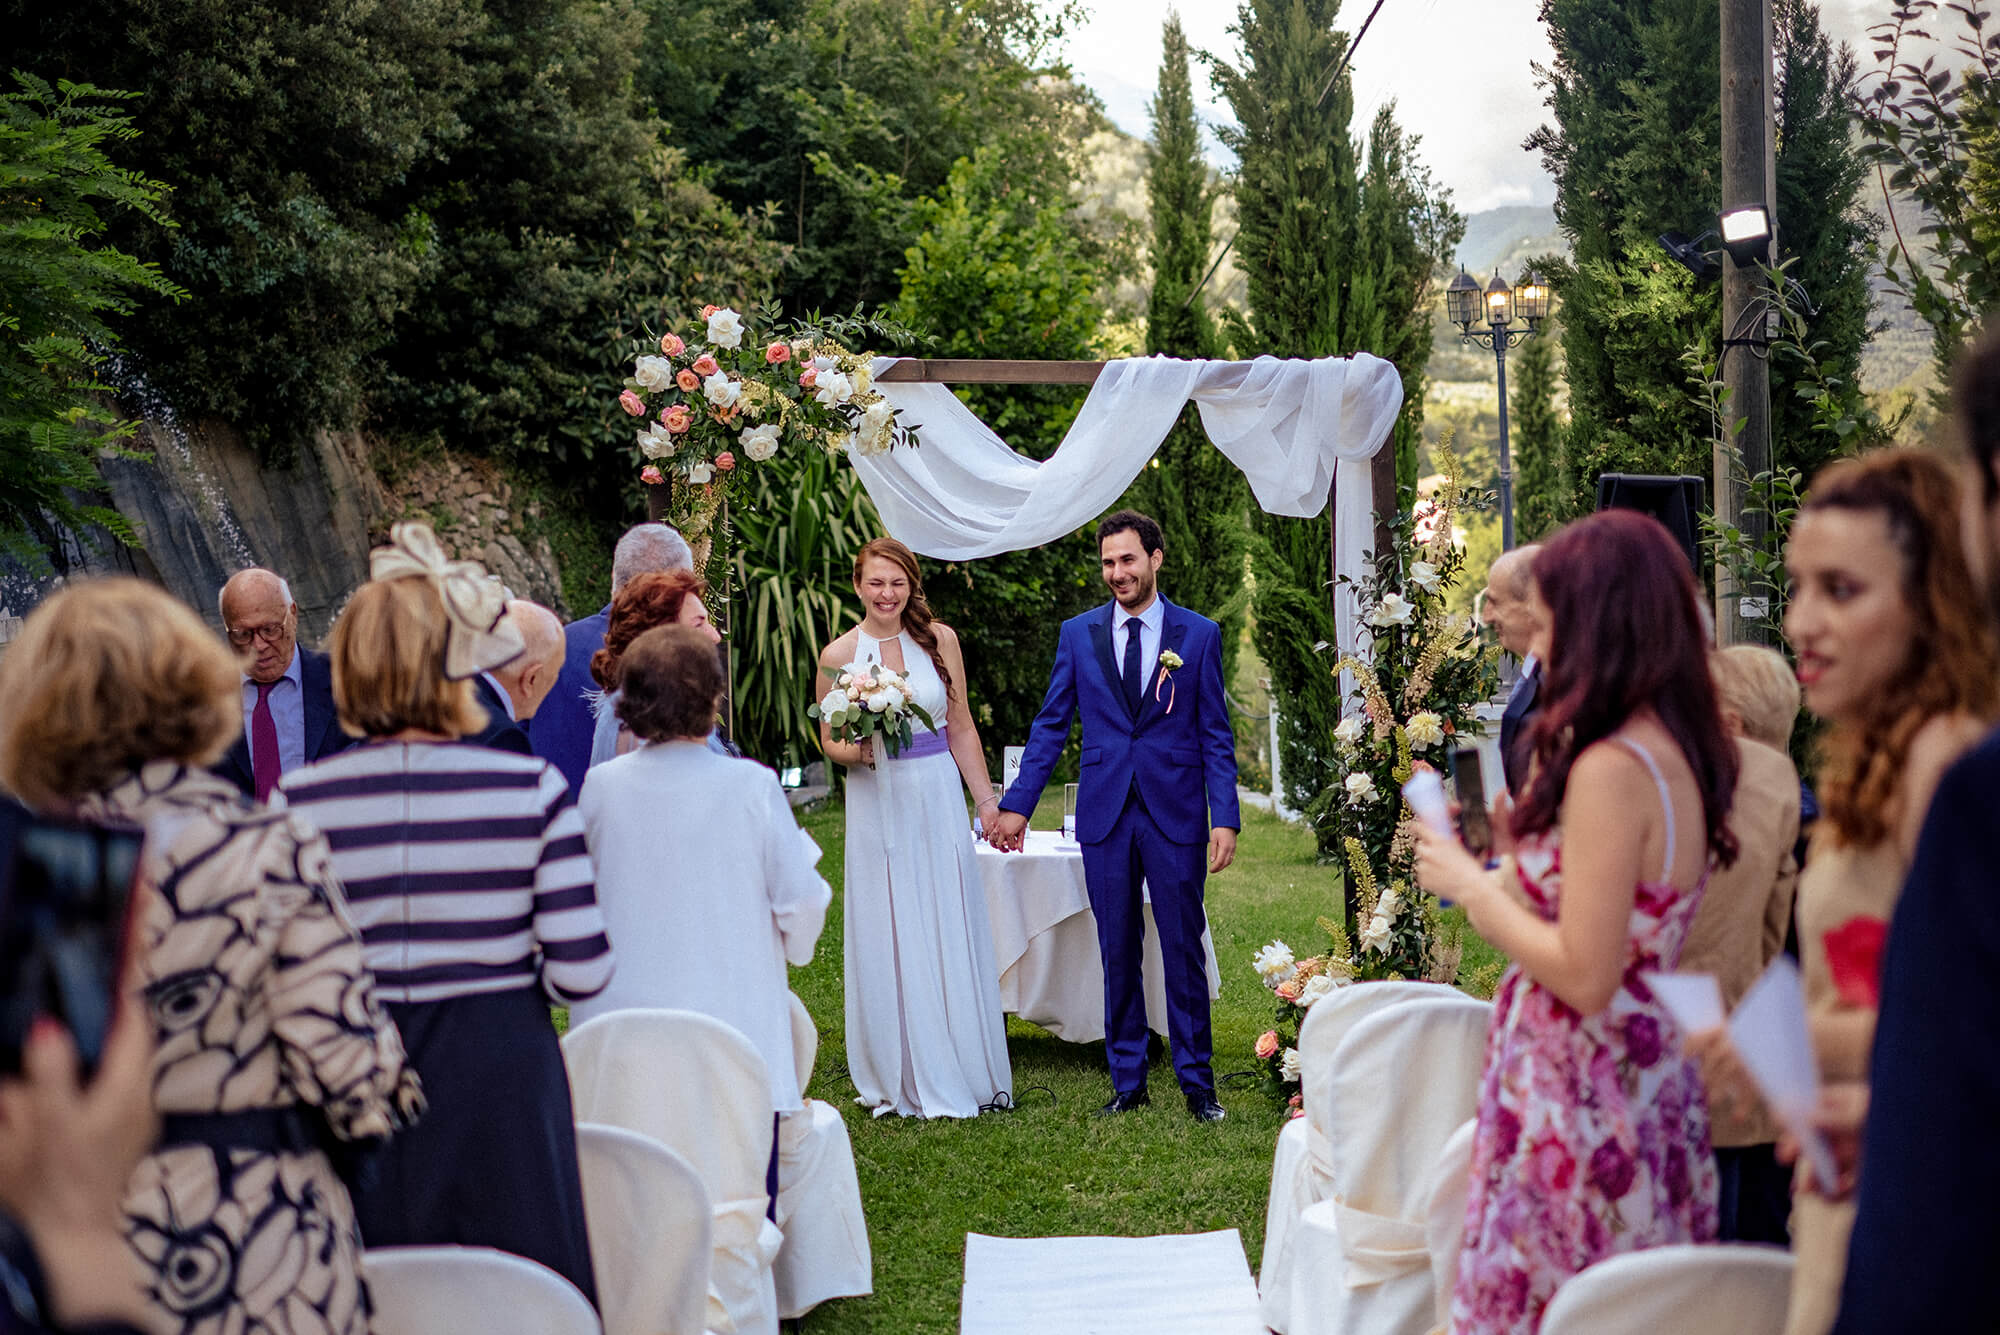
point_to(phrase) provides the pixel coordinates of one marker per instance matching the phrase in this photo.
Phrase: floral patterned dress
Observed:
(1592, 1137)
(255, 981)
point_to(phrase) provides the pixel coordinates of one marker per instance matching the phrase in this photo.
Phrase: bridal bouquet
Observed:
(870, 702)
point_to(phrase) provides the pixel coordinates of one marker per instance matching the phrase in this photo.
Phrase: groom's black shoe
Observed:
(1205, 1108)
(1125, 1103)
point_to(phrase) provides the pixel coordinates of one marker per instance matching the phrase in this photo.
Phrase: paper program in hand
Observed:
(1770, 1034)
(1693, 999)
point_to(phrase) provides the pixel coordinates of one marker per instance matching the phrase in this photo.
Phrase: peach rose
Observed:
(778, 354)
(1289, 989)
(724, 462)
(677, 419)
(632, 403)
(671, 345)
(687, 380)
(707, 311)
(1267, 1045)
(651, 476)
(808, 376)
(704, 365)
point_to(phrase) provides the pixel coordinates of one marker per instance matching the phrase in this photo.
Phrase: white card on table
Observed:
(1770, 1034)
(1693, 999)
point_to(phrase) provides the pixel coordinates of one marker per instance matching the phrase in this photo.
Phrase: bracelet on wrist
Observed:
(988, 798)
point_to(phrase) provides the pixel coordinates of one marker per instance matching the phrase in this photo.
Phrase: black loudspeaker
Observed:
(1675, 501)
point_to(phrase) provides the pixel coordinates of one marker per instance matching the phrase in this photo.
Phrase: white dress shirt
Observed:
(1149, 621)
(506, 700)
(288, 712)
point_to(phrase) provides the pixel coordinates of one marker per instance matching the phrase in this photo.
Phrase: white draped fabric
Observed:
(825, 1253)
(1293, 427)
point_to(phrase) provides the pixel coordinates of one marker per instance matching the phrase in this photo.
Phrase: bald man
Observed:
(512, 692)
(1510, 609)
(288, 714)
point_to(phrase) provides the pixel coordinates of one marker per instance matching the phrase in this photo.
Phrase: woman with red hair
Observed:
(670, 599)
(1592, 1134)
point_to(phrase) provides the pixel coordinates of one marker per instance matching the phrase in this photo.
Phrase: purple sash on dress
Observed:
(926, 744)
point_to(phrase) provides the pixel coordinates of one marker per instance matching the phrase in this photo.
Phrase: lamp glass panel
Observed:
(1746, 225)
(1498, 306)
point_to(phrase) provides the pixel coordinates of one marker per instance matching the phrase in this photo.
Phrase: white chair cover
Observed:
(698, 1087)
(825, 1253)
(449, 1290)
(1301, 1171)
(1444, 1220)
(1683, 1290)
(650, 1239)
(1360, 1264)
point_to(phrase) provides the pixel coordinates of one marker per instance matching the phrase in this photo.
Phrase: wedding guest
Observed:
(268, 1030)
(568, 719)
(1509, 609)
(287, 690)
(467, 873)
(512, 693)
(1592, 1135)
(1930, 1168)
(646, 602)
(707, 882)
(1741, 926)
(1895, 654)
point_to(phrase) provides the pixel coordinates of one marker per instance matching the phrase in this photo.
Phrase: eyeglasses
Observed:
(241, 636)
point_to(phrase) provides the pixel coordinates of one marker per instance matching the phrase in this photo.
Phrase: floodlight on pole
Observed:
(1746, 234)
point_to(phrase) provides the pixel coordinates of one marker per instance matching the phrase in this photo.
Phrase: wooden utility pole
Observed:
(1741, 453)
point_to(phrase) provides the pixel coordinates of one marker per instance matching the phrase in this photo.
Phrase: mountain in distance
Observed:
(1508, 236)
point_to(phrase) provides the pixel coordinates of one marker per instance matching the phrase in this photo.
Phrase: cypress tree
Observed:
(1197, 495)
(1541, 491)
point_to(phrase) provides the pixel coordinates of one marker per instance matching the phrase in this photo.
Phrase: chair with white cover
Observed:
(1302, 1167)
(1682, 1290)
(825, 1253)
(698, 1087)
(650, 1232)
(1444, 1218)
(1360, 1260)
(448, 1290)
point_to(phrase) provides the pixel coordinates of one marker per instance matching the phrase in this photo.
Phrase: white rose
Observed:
(1393, 610)
(655, 442)
(725, 329)
(1424, 575)
(1376, 937)
(1425, 730)
(1274, 963)
(833, 389)
(721, 391)
(653, 372)
(1288, 1065)
(878, 701)
(700, 473)
(759, 442)
(1316, 987)
(1360, 788)
(1348, 731)
(1388, 906)
(879, 416)
(825, 364)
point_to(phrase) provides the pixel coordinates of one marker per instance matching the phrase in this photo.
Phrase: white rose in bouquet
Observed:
(1424, 575)
(1348, 731)
(1274, 963)
(1360, 788)
(879, 701)
(1316, 987)
(1425, 730)
(1288, 1065)
(653, 373)
(759, 442)
(700, 473)
(721, 391)
(834, 389)
(725, 329)
(875, 434)
(833, 707)
(1393, 610)
(655, 442)
(1376, 937)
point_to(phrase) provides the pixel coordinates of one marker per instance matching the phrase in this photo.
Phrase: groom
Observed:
(1156, 801)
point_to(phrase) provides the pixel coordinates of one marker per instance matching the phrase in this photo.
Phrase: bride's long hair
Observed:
(917, 618)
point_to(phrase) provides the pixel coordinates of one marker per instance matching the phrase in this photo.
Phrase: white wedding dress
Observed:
(925, 1033)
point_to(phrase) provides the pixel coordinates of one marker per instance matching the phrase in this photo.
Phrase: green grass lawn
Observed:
(1051, 1166)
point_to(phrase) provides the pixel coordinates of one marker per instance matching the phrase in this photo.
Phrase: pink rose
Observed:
(632, 403)
(705, 365)
(1267, 1045)
(650, 475)
(687, 380)
(724, 462)
(1289, 989)
(707, 311)
(778, 354)
(671, 345)
(677, 419)
(808, 376)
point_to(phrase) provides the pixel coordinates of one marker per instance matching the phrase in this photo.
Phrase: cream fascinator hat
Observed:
(478, 638)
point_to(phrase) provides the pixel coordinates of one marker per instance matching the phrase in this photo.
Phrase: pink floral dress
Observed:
(1593, 1130)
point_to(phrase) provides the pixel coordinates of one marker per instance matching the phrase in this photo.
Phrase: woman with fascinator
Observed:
(466, 871)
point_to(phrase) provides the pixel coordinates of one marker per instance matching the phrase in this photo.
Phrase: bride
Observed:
(925, 1034)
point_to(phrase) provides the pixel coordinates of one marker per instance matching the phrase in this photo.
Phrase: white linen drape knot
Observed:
(1378, 1247)
(746, 1244)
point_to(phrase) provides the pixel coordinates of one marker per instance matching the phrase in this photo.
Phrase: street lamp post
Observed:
(1499, 306)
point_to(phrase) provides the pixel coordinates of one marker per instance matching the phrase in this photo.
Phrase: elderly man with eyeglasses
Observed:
(288, 715)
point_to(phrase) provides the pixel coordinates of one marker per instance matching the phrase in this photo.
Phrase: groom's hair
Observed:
(1130, 521)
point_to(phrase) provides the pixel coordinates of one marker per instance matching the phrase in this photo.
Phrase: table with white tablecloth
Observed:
(1045, 941)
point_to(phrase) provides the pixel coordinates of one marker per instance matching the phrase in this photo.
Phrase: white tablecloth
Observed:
(1045, 941)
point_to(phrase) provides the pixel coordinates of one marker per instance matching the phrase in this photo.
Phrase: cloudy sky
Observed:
(1472, 120)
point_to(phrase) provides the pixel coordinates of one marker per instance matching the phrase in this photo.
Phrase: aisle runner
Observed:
(1196, 1283)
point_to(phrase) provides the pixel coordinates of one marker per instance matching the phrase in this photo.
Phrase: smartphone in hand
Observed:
(1468, 784)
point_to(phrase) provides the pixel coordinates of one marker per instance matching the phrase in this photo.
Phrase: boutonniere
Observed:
(1169, 662)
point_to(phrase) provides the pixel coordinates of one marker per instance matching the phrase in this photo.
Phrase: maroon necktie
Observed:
(264, 763)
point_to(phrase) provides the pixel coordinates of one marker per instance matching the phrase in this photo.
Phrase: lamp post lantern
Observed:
(1512, 316)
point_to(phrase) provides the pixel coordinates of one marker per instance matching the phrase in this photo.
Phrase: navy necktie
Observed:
(1132, 684)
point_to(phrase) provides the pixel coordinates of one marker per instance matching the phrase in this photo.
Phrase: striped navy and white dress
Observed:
(465, 869)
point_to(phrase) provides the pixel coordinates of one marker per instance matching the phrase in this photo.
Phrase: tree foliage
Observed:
(1536, 437)
(61, 289)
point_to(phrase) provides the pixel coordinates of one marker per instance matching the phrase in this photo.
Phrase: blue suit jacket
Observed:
(323, 734)
(563, 725)
(1183, 758)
